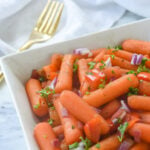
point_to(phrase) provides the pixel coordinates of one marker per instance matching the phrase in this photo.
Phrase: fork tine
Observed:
(51, 17)
(38, 24)
(56, 20)
(48, 14)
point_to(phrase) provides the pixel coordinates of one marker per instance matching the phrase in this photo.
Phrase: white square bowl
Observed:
(17, 68)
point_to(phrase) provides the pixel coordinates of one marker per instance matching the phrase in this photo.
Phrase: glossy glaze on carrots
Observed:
(93, 99)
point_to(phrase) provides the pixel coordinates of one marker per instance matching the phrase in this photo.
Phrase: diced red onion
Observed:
(97, 110)
(108, 63)
(136, 59)
(80, 125)
(61, 137)
(77, 92)
(55, 142)
(64, 112)
(139, 59)
(124, 106)
(126, 144)
(82, 51)
(35, 74)
(112, 78)
(53, 83)
(137, 135)
(91, 77)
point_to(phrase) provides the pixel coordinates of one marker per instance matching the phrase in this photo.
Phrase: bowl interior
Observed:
(18, 67)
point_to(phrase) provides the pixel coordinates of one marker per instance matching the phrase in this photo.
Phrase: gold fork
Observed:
(45, 26)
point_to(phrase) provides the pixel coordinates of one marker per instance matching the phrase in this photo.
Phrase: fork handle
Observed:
(27, 45)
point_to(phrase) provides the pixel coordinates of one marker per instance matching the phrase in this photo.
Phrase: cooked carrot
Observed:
(144, 88)
(50, 71)
(139, 102)
(122, 63)
(95, 52)
(142, 129)
(136, 46)
(145, 117)
(72, 132)
(132, 118)
(111, 91)
(109, 143)
(109, 109)
(92, 129)
(38, 104)
(45, 136)
(140, 146)
(58, 130)
(54, 116)
(64, 81)
(56, 60)
(114, 72)
(120, 53)
(99, 57)
(82, 69)
(86, 113)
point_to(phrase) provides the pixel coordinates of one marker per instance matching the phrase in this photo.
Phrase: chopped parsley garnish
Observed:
(51, 121)
(52, 108)
(142, 68)
(73, 126)
(89, 88)
(122, 128)
(97, 145)
(87, 143)
(113, 72)
(45, 92)
(87, 93)
(133, 91)
(129, 79)
(91, 64)
(75, 66)
(131, 72)
(103, 65)
(44, 136)
(102, 85)
(74, 145)
(115, 48)
(36, 106)
(144, 61)
(89, 73)
(42, 79)
(112, 56)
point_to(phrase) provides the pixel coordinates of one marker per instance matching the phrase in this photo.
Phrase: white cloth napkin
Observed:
(79, 17)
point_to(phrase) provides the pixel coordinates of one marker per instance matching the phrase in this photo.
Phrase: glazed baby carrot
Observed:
(114, 72)
(45, 137)
(92, 129)
(95, 52)
(122, 63)
(140, 146)
(109, 143)
(38, 104)
(120, 53)
(82, 69)
(86, 113)
(145, 117)
(72, 132)
(139, 102)
(142, 129)
(99, 57)
(50, 71)
(109, 109)
(111, 91)
(56, 60)
(54, 116)
(136, 46)
(144, 88)
(64, 81)
(58, 130)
